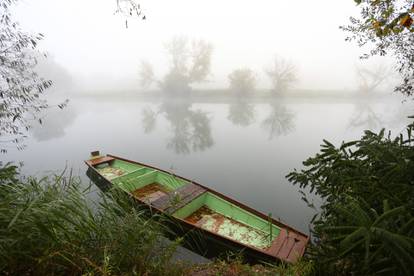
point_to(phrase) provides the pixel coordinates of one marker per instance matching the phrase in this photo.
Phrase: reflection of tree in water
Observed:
(191, 130)
(149, 120)
(54, 123)
(241, 113)
(364, 116)
(280, 121)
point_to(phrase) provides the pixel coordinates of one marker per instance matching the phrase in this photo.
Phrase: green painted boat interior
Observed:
(145, 176)
(215, 214)
(116, 168)
(206, 211)
(140, 181)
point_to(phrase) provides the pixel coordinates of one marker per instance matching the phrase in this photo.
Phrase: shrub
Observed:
(366, 221)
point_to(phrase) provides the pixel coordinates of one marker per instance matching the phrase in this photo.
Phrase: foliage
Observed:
(366, 221)
(190, 62)
(388, 25)
(129, 8)
(242, 80)
(49, 226)
(282, 74)
(8, 174)
(20, 85)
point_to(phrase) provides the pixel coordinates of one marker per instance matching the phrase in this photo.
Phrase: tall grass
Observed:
(49, 226)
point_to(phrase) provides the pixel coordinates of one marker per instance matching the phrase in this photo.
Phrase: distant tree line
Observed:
(190, 63)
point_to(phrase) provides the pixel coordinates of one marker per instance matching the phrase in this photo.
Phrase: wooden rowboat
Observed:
(220, 219)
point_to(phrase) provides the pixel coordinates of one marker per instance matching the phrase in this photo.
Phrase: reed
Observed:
(49, 226)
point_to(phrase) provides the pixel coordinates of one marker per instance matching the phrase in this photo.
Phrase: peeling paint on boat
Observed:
(151, 192)
(220, 224)
(111, 172)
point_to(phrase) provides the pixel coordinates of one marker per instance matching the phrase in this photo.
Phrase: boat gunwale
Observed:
(233, 201)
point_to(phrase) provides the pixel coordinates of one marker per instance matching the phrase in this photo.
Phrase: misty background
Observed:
(93, 45)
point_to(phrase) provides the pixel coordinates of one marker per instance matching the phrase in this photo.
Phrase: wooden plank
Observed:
(184, 201)
(99, 160)
(298, 249)
(185, 194)
(278, 243)
(287, 247)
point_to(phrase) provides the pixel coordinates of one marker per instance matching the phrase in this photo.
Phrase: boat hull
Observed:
(289, 246)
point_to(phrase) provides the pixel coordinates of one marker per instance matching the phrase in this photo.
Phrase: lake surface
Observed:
(240, 148)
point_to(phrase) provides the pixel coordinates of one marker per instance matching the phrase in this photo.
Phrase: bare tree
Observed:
(283, 74)
(242, 80)
(371, 79)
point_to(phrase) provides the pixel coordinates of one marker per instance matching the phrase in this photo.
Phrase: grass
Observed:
(49, 226)
(234, 266)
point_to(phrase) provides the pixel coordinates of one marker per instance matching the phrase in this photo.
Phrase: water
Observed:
(241, 148)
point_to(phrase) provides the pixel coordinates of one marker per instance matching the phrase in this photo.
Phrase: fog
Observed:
(237, 124)
(94, 45)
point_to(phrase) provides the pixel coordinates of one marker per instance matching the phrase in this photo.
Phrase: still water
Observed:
(240, 148)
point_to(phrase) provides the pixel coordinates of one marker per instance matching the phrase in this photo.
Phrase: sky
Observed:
(86, 38)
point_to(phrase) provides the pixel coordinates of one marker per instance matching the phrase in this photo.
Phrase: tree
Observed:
(20, 86)
(370, 79)
(388, 25)
(190, 62)
(242, 80)
(282, 74)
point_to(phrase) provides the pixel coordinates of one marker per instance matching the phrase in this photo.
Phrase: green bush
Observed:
(366, 222)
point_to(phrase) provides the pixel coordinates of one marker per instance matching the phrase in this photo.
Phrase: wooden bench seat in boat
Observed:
(100, 160)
